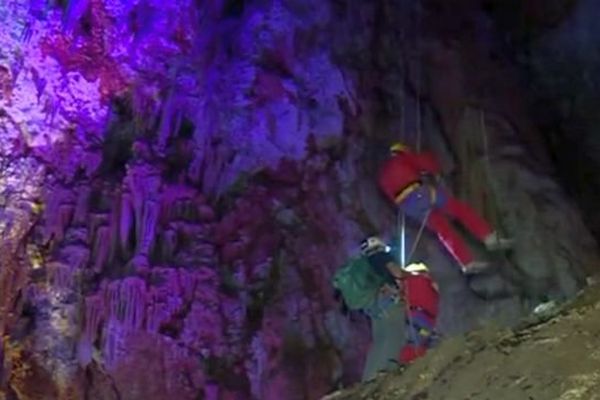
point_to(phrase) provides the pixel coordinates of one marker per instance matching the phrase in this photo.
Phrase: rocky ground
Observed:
(554, 356)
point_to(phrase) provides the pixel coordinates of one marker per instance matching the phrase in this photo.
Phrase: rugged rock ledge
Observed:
(553, 356)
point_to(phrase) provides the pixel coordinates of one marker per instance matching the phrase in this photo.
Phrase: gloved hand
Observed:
(430, 179)
(389, 290)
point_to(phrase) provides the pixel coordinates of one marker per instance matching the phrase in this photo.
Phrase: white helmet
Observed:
(372, 245)
(416, 268)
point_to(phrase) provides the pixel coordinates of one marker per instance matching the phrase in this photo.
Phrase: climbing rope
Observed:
(402, 223)
(418, 78)
(494, 209)
(418, 140)
(489, 175)
(401, 214)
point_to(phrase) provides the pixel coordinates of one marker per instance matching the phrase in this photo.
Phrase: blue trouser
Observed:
(388, 336)
(420, 328)
(416, 204)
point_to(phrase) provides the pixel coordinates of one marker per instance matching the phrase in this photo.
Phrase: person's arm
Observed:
(395, 270)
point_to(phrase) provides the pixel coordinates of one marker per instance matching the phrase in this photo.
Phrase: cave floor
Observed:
(554, 356)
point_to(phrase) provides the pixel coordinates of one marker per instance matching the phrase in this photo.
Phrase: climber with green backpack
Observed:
(368, 283)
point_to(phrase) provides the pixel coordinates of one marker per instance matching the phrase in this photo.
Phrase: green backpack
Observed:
(358, 283)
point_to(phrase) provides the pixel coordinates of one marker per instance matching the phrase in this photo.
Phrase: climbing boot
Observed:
(475, 267)
(493, 242)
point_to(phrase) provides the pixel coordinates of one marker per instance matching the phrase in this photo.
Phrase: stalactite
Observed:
(125, 221)
(173, 202)
(52, 217)
(114, 225)
(190, 211)
(134, 292)
(65, 213)
(153, 318)
(59, 275)
(168, 244)
(94, 222)
(148, 227)
(178, 210)
(101, 249)
(170, 120)
(205, 213)
(163, 308)
(166, 205)
(95, 313)
(256, 366)
(112, 299)
(202, 147)
(126, 302)
(144, 183)
(82, 205)
(114, 343)
(187, 283)
(77, 256)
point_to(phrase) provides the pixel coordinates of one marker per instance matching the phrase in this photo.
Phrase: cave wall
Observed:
(204, 168)
(562, 66)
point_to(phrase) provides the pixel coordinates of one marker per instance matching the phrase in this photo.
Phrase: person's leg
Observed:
(388, 337)
(451, 239)
(420, 334)
(416, 206)
(373, 362)
(470, 219)
(410, 352)
(476, 224)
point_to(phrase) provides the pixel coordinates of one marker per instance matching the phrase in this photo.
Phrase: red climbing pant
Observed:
(446, 206)
(410, 352)
(420, 331)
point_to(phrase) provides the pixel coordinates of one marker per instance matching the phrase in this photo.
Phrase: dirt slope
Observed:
(556, 356)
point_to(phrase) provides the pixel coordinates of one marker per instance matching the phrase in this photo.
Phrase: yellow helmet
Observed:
(416, 268)
(398, 147)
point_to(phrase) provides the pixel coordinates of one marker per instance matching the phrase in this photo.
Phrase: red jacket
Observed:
(403, 169)
(420, 291)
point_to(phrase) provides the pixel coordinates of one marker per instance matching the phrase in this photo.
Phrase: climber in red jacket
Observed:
(421, 297)
(411, 181)
(419, 294)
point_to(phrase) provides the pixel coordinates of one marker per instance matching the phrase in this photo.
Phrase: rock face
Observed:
(553, 360)
(188, 177)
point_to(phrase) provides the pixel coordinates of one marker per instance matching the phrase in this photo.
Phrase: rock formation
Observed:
(181, 179)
